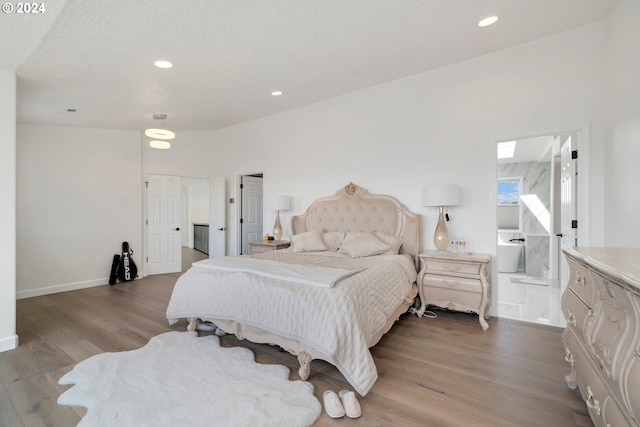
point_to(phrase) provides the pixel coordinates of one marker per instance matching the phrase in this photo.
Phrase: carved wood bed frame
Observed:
(351, 208)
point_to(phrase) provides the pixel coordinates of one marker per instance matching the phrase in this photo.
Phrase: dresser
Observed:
(602, 339)
(455, 281)
(260, 246)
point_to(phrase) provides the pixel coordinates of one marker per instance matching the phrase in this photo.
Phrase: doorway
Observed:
(251, 212)
(533, 207)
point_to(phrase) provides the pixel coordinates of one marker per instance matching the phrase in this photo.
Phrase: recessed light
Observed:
(276, 93)
(488, 21)
(163, 64)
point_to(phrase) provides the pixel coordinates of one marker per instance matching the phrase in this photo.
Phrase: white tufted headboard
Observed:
(352, 208)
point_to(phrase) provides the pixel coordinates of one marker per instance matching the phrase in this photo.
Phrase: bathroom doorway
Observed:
(529, 226)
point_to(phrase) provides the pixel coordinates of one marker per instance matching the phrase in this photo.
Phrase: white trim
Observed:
(8, 343)
(47, 290)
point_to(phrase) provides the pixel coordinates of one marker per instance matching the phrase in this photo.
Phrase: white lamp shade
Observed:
(441, 195)
(278, 203)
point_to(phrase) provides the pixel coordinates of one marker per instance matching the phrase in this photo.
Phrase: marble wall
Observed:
(536, 181)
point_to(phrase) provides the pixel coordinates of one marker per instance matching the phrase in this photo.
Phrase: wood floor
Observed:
(432, 372)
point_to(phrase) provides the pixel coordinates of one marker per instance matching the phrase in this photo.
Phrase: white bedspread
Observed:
(338, 322)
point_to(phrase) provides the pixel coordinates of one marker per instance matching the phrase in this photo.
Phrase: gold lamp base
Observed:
(277, 227)
(441, 235)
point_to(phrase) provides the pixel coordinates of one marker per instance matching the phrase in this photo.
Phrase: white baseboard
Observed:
(60, 288)
(47, 290)
(8, 343)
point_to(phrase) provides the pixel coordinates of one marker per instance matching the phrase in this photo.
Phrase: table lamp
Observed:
(441, 195)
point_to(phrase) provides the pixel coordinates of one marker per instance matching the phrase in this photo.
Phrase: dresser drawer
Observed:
(580, 282)
(453, 266)
(612, 334)
(576, 313)
(451, 282)
(603, 407)
(631, 383)
(452, 299)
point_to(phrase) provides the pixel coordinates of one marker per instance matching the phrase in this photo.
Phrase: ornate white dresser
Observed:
(602, 339)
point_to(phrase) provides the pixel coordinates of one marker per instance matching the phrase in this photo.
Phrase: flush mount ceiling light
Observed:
(488, 21)
(159, 133)
(160, 145)
(162, 63)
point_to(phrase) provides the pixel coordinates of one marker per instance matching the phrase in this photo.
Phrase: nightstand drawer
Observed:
(452, 282)
(454, 267)
(453, 299)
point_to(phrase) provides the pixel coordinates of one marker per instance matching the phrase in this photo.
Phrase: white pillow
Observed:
(310, 241)
(394, 242)
(333, 240)
(358, 245)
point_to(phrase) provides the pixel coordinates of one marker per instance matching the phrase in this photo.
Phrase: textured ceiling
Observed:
(97, 56)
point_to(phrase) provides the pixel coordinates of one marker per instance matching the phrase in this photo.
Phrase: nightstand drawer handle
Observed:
(451, 283)
(580, 280)
(447, 267)
(571, 319)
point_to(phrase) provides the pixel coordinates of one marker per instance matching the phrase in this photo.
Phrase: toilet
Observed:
(509, 256)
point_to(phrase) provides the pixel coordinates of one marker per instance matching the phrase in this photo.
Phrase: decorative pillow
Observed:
(310, 241)
(358, 245)
(333, 240)
(394, 242)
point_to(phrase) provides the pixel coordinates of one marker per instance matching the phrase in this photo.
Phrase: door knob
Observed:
(177, 229)
(222, 229)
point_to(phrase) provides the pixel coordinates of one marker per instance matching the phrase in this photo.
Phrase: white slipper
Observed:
(332, 405)
(350, 404)
(205, 326)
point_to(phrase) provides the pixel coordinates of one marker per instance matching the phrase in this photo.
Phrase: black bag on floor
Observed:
(127, 269)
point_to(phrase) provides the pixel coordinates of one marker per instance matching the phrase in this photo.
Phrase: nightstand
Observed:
(455, 281)
(260, 246)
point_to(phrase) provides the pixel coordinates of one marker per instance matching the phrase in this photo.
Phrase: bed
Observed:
(347, 277)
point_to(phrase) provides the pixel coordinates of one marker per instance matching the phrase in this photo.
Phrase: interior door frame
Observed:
(583, 133)
(142, 272)
(239, 207)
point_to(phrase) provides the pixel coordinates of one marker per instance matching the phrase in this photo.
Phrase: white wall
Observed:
(79, 198)
(8, 337)
(622, 154)
(435, 127)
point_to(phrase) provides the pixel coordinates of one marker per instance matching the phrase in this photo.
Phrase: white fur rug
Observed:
(180, 379)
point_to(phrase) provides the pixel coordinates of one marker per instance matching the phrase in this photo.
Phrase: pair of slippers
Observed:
(346, 403)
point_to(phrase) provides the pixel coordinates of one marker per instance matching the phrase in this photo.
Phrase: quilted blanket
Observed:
(337, 321)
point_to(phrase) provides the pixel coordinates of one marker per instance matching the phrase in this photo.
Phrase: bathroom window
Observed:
(509, 206)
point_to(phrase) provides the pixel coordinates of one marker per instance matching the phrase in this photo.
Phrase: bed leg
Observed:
(192, 324)
(304, 359)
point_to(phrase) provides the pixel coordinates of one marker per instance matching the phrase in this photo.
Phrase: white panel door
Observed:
(164, 245)
(218, 222)
(251, 211)
(568, 203)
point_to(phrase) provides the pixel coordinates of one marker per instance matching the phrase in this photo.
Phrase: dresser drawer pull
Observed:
(453, 268)
(569, 357)
(571, 319)
(580, 280)
(592, 402)
(591, 313)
